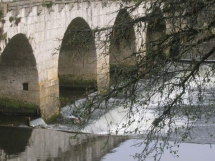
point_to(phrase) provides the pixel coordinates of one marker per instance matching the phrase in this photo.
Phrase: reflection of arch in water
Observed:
(93, 148)
(14, 140)
(46, 144)
(122, 44)
(19, 76)
(77, 66)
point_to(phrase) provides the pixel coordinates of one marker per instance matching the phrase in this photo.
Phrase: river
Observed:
(56, 141)
(26, 144)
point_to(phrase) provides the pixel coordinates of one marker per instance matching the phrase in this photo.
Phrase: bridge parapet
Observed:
(16, 6)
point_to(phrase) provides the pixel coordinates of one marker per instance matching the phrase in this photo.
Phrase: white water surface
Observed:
(186, 152)
(144, 115)
(143, 112)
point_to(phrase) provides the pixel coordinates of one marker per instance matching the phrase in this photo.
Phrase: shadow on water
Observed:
(14, 120)
(42, 144)
(14, 140)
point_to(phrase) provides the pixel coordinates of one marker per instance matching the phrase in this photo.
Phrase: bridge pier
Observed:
(49, 99)
(103, 58)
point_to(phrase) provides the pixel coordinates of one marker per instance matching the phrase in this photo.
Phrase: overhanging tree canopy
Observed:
(170, 68)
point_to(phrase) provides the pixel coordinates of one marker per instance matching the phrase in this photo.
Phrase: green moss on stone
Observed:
(8, 106)
(11, 19)
(71, 82)
(121, 66)
(47, 4)
(53, 117)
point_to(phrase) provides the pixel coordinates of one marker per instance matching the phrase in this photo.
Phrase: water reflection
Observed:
(14, 140)
(24, 144)
(187, 152)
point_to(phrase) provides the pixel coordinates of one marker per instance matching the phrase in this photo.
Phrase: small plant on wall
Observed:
(17, 20)
(3, 35)
(11, 19)
(47, 4)
(3, 21)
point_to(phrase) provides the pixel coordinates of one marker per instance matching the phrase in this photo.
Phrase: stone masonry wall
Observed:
(44, 24)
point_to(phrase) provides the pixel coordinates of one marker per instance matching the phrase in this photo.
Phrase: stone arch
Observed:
(122, 41)
(156, 29)
(19, 87)
(77, 65)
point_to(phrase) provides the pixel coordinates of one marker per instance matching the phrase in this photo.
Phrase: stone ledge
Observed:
(13, 107)
(70, 81)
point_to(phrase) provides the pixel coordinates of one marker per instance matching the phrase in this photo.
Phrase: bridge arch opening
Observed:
(19, 78)
(122, 43)
(156, 47)
(156, 30)
(77, 64)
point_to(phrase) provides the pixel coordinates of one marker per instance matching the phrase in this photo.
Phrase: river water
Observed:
(55, 141)
(25, 144)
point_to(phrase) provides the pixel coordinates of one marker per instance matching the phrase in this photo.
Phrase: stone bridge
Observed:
(47, 44)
